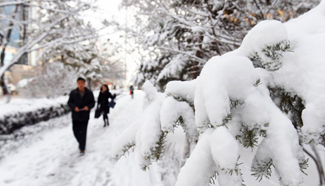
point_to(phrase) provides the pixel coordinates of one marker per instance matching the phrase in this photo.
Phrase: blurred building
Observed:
(25, 68)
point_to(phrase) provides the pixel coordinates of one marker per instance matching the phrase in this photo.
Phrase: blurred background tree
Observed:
(178, 37)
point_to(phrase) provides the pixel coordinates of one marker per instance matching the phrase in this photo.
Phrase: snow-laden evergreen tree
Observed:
(182, 35)
(267, 95)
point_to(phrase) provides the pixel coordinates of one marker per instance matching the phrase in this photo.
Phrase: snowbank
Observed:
(19, 105)
(22, 112)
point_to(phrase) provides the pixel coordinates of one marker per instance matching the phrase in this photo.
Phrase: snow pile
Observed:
(29, 105)
(21, 112)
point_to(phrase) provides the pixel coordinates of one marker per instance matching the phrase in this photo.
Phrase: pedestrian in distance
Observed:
(132, 91)
(103, 103)
(81, 101)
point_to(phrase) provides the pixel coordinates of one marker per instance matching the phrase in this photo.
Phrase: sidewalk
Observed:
(51, 157)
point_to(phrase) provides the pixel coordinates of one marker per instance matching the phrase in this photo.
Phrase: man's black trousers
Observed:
(80, 132)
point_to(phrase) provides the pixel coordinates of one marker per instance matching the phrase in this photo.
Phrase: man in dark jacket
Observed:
(81, 101)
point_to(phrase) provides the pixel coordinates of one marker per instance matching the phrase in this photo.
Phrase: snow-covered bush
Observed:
(54, 80)
(267, 95)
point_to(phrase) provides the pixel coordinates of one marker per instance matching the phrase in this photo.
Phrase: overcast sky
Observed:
(109, 9)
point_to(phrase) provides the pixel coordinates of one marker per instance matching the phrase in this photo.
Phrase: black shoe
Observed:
(82, 152)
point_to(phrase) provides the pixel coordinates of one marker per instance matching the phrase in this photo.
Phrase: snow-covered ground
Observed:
(50, 156)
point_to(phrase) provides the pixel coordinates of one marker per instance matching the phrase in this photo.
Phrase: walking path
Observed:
(52, 156)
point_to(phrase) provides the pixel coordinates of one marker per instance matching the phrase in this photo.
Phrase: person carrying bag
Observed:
(103, 104)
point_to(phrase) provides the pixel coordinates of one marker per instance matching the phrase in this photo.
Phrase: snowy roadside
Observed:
(9, 143)
(27, 105)
(50, 155)
(22, 112)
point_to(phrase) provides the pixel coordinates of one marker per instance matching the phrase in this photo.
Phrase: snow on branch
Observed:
(266, 95)
(11, 3)
(29, 45)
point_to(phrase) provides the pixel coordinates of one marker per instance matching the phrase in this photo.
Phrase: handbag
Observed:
(97, 112)
(112, 104)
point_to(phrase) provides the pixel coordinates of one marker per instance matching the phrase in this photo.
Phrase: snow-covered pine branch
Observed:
(267, 95)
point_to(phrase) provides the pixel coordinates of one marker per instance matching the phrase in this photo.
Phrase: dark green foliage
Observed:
(275, 51)
(257, 83)
(126, 149)
(214, 177)
(273, 56)
(256, 59)
(293, 105)
(145, 167)
(231, 172)
(322, 138)
(160, 146)
(303, 165)
(156, 152)
(262, 169)
(249, 137)
(289, 104)
(236, 103)
(226, 119)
